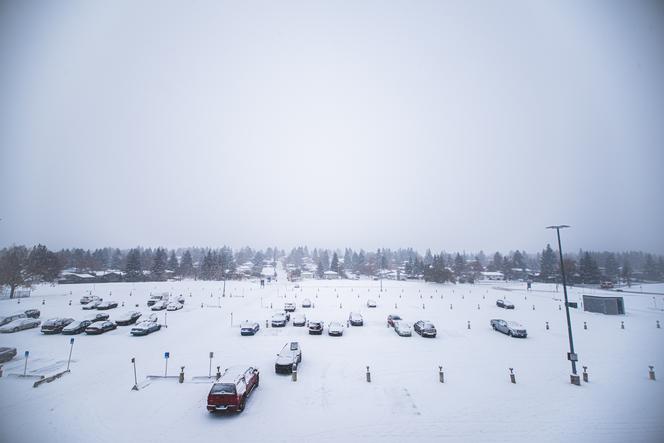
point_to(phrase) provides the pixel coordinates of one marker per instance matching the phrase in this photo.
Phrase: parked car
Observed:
(76, 327)
(32, 313)
(371, 304)
(356, 319)
(55, 325)
(511, 328)
(107, 305)
(402, 328)
(335, 329)
(180, 299)
(99, 327)
(279, 320)
(154, 299)
(289, 355)
(249, 328)
(306, 303)
(505, 304)
(89, 298)
(315, 327)
(392, 318)
(100, 316)
(606, 285)
(11, 317)
(159, 305)
(7, 354)
(231, 391)
(299, 320)
(174, 306)
(92, 305)
(128, 318)
(425, 328)
(289, 307)
(145, 327)
(19, 324)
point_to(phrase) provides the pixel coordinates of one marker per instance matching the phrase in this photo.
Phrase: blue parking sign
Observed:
(167, 354)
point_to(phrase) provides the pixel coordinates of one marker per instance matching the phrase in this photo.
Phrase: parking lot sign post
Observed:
(25, 368)
(133, 362)
(71, 348)
(166, 356)
(210, 371)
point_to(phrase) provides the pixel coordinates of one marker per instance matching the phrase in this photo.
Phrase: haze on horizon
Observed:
(446, 125)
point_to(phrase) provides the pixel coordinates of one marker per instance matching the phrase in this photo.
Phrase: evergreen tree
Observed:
(626, 273)
(496, 263)
(187, 265)
(650, 271)
(611, 268)
(173, 263)
(133, 268)
(548, 263)
(428, 258)
(334, 266)
(320, 270)
(588, 269)
(518, 260)
(159, 263)
(116, 259)
(325, 260)
(459, 265)
(207, 267)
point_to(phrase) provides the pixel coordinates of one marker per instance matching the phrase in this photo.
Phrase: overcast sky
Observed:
(456, 125)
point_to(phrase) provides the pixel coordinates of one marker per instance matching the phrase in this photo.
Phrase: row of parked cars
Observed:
(422, 327)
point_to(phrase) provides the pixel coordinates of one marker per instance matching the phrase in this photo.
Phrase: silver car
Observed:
(20, 324)
(511, 328)
(402, 328)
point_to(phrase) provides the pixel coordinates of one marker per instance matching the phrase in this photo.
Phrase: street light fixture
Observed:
(571, 356)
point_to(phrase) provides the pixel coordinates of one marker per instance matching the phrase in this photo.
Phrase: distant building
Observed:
(330, 275)
(306, 275)
(488, 275)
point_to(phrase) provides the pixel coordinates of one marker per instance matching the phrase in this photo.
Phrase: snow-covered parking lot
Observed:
(331, 400)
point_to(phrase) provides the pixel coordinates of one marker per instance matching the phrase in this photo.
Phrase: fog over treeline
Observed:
(23, 266)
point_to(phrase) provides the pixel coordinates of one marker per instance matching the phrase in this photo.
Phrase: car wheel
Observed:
(240, 407)
(509, 333)
(15, 330)
(494, 327)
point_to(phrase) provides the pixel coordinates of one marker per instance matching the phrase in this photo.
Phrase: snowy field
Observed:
(331, 401)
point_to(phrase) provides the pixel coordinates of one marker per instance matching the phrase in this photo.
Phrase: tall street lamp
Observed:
(571, 356)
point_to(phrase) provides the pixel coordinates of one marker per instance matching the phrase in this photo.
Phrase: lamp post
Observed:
(571, 356)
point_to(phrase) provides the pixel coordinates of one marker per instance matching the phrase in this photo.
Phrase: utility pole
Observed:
(571, 356)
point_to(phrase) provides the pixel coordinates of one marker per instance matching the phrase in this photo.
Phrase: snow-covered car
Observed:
(371, 303)
(20, 324)
(174, 306)
(89, 298)
(505, 304)
(511, 328)
(11, 317)
(392, 318)
(127, 318)
(180, 299)
(92, 305)
(32, 313)
(299, 320)
(289, 307)
(100, 316)
(159, 305)
(335, 329)
(99, 327)
(7, 354)
(145, 327)
(55, 325)
(290, 354)
(425, 328)
(306, 303)
(278, 320)
(315, 327)
(107, 305)
(249, 328)
(355, 319)
(231, 390)
(154, 299)
(402, 328)
(76, 327)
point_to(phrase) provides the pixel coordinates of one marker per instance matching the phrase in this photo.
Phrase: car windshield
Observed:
(223, 388)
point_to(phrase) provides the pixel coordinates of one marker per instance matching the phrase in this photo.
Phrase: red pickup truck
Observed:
(230, 391)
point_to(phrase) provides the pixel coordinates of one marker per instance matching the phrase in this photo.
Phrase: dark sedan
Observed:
(249, 328)
(99, 327)
(76, 327)
(32, 313)
(55, 325)
(425, 328)
(7, 354)
(504, 304)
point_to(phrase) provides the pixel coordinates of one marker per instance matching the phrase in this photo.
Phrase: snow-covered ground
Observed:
(331, 401)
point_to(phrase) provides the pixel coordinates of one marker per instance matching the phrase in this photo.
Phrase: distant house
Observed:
(330, 275)
(488, 275)
(72, 277)
(306, 275)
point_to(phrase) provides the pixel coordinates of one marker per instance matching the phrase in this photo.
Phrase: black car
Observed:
(290, 354)
(7, 354)
(99, 327)
(504, 304)
(32, 313)
(55, 325)
(249, 328)
(99, 317)
(425, 328)
(76, 327)
(128, 318)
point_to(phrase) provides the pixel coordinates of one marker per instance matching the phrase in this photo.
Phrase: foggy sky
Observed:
(458, 125)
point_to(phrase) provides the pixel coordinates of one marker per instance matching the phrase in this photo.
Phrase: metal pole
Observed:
(562, 272)
(135, 388)
(70, 350)
(25, 369)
